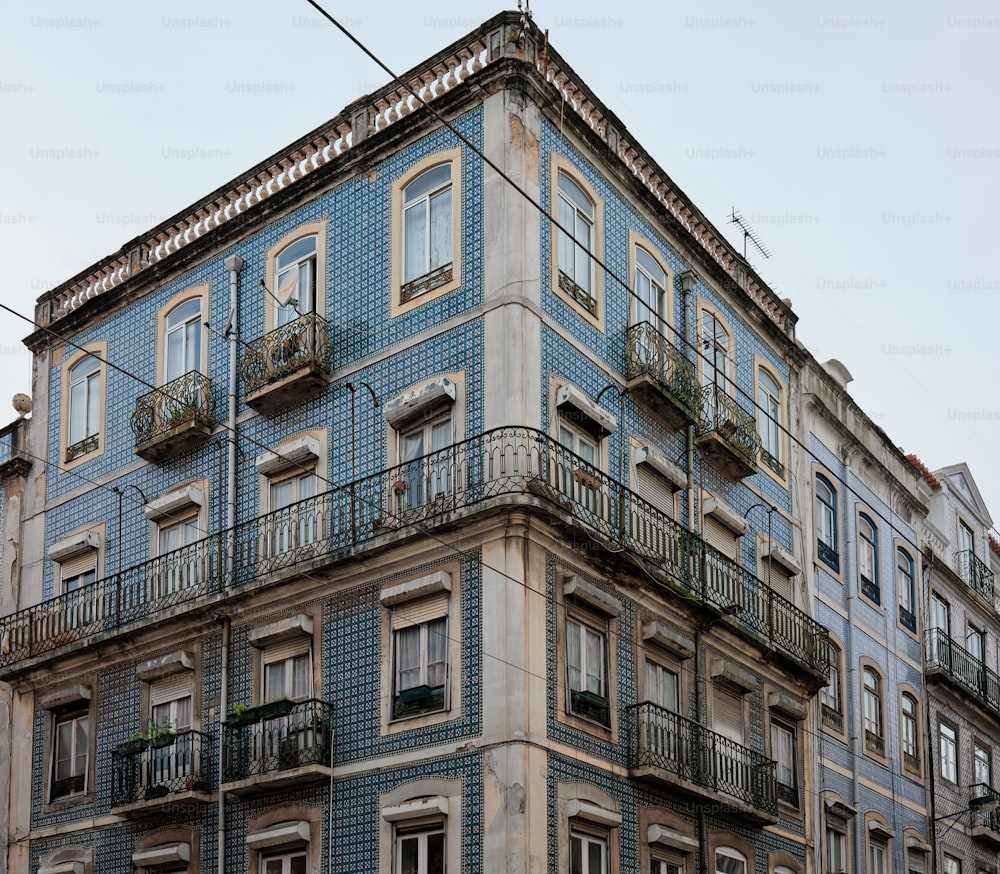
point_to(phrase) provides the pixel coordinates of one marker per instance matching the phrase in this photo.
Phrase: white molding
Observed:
(174, 503)
(164, 854)
(569, 395)
(74, 545)
(282, 834)
(436, 805)
(725, 515)
(300, 452)
(590, 594)
(411, 404)
(648, 454)
(669, 837)
(576, 809)
(300, 625)
(780, 555)
(411, 590)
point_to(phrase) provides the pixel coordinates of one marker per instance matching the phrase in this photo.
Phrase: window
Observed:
(826, 523)
(948, 741)
(420, 851)
(910, 733)
(586, 670)
(427, 232)
(176, 569)
(674, 865)
(70, 754)
(183, 339)
(576, 215)
(836, 846)
(975, 642)
(878, 851)
(716, 367)
(577, 482)
(650, 290)
(426, 474)
(729, 861)
(661, 686)
(170, 711)
(872, 712)
(292, 525)
(84, 408)
(287, 671)
(769, 412)
(77, 569)
(421, 663)
(940, 614)
(982, 765)
(832, 714)
(659, 728)
(588, 854)
(967, 550)
(783, 752)
(952, 865)
(905, 590)
(294, 281)
(868, 559)
(286, 863)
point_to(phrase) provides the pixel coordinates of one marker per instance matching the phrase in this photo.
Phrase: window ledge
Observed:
(295, 626)
(585, 810)
(284, 834)
(173, 503)
(600, 419)
(411, 590)
(303, 451)
(411, 404)
(423, 807)
(74, 545)
(592, 596)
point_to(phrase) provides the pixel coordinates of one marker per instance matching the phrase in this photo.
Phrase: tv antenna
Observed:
(748, 234)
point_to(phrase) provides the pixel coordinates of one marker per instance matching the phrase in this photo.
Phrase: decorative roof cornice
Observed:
(505, 35)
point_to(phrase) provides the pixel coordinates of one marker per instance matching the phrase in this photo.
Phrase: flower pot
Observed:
(132, 746)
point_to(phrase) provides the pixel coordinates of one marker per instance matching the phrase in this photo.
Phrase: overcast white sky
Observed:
(862, 141)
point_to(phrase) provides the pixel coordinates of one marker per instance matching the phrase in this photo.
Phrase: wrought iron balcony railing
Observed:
(302, 735)
(983, 801)
(669, 742)
(976, 573)
(500, 466)
(145, 772)
(907, 618)
(304, 342)
(961, 667)
(183, 400)
(722, 415)
(649, 353)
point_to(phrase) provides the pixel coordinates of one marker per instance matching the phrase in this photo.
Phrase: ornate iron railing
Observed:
(578, 293)
(871, 590)
(670, 742)
(184, 764)
(723, 415)
(302, 736)
(976, 573)
(907, 618)
(963, 668)
(500, 465)
(828, 555)
(182, 400)
(649, 352)
(983, 800)
(304, 342)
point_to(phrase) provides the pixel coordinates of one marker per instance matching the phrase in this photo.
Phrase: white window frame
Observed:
(428, 203)
(286, 858)
(293, 524)
(585, 629)
(835, 836)
(784, 751)
(175, 331)
(577, 213)
(650, 289)
(427, 476)
(737, 861)
(586, 839)
(291, 276)
(75, 717)
(909, 727)
(873, 715)
(424, 632)
(83, 426)
(827, 528)
(982, 756)
(770, 412)
(948, 752)
(868, 549)
(878, 855)
(421, 833)
(287, 654)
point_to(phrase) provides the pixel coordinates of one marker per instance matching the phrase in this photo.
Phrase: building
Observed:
(960, 657)
(867, 509)
(460, 538)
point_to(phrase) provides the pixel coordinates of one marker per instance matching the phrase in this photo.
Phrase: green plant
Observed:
(160, 732)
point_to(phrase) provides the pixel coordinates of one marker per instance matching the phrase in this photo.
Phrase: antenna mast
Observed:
(748, 234)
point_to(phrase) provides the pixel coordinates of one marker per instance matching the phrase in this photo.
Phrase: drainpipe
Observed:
(234, 264)
(858, 844)
(223, 710)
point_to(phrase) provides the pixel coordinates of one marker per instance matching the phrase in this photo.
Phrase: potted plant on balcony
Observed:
(161, 734)
(133, 745)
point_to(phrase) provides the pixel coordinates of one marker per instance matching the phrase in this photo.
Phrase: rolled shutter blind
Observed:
(418, 612)
(655, 489)
(720, 537)
(79, 564)
(286, 649)
(727, 713)
(170, 688)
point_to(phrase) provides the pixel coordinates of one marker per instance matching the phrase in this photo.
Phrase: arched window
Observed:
(868, 559)
(905, 590)
(84, 412)
(769, 402)
(183, 339)
(730, 861)
(427, 229)
(295, 280)
(910, 733)
(830, 696)
(650, 289)
(826, 523)
(871, 712)
(576, 262)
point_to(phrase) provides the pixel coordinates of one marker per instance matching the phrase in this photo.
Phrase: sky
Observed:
(860, 141)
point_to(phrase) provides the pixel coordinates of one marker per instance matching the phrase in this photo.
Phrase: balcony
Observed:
(659, 372)
(14, 460)
(976, 573)
(265, 749)
(727, 434)
(984, 814)
(288, 365)
(947, 660)
(147, 780)
(678, 754)
(173, 418)
(502, 468)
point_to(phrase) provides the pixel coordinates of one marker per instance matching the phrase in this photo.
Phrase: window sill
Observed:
(67, 803)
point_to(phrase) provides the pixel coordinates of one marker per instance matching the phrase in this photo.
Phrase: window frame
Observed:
(835, 660)
(869, 585)
(948, 763)
(788, 792)
(770, 413)
(662, 320)
(428, 472)
(909, 732)
(977, 761)
(90, 445)
(565, 292)
(73, 716)
(400, 302)
(708, 360)
(827, 550)
(316, 229)
(873, 711)
(421, 832)
(166, 330)
(906, 592)
(285, 314)
(424, 631)
(838, 827)
(587, 626)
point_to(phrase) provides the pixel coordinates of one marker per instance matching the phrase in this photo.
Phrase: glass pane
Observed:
(575, 855)
(301, 676)
(298, 865)
(435, 853)
(567, 218)
(427, 182)
(282, 494)
(408, 657)
(193, 342)
(595, 857)
(408, 855)
(595, 662)
(573, 192)
(441, 230)
(305, 289)
(584, 269)
(64, 750)
(272, 866)
(437, 652)
(587, 450)
(415, 242)
(274, 681)
(77, 412)
(573, 655)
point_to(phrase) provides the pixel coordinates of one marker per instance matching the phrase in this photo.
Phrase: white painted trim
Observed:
(283, 834)
(411, 404)
(164, 854)
(75, 544)
(301, 452)
(668, 837)
(652, 456)
(779, 555)
(569, 395)
(725, 515)
(419, 809)
(411, 590)
(300, 625)
(576, 809)
(174, 503)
